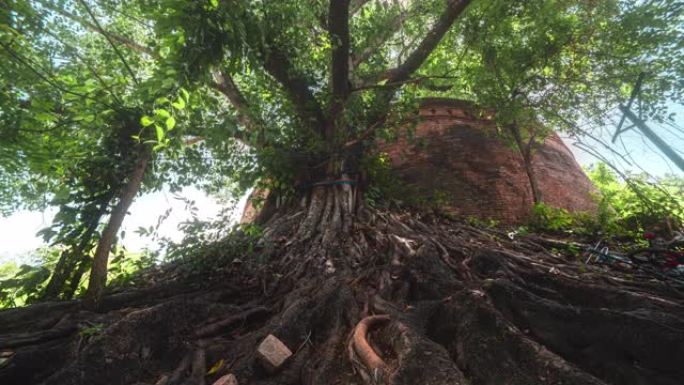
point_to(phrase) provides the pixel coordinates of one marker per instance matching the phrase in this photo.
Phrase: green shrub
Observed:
(625, 208)
(545, 217)
(21, 285)
(636, 203)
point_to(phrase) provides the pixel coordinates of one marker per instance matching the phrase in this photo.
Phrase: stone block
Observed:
(272, 353)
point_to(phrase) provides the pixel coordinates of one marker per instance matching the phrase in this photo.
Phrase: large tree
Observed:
(315, 83)
(294, 96)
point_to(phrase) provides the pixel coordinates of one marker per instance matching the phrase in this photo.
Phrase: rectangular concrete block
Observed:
(272, 353)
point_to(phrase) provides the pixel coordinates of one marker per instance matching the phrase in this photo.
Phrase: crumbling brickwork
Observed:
(456, 157)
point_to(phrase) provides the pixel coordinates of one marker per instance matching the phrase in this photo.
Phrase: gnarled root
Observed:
(369, 364)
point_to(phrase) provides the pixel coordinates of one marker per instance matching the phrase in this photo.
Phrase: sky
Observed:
(639, 154)
(18, 231)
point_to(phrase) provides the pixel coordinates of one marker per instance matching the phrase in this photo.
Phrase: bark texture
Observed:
(98, 273)
(526, 154)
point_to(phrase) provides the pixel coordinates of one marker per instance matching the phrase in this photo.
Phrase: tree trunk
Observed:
(74, 257)
(526, 153)
(98, 273)
(82, 255)
(56, 283)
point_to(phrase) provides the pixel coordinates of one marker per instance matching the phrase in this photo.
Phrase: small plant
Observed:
(624, 207)
(545, 217)
(91, 330)
(482, 222)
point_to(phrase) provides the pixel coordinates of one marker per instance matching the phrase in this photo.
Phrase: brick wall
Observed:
(455, 157)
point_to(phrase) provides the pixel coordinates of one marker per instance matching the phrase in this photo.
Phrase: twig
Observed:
(109, 39)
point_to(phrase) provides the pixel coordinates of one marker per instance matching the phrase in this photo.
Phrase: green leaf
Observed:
(71, 97)
(185, 94)
(90, 85)
(162, 113)
(146, 121)
(216, 367)
(160, 132)
(170, 123)
(45, 117)
(179, 104)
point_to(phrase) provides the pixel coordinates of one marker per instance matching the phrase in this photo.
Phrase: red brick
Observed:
(272, 353)
(459, 154)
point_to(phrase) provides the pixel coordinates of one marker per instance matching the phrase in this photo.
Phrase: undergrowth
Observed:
(625, 207)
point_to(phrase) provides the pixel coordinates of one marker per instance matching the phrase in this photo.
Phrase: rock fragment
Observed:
(272, 353)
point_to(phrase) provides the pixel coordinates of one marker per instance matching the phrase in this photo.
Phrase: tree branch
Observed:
(377, 41)
(109, 40)
(224, 83)
(338, 26)
(429, 43)
(402, 73)
(277, 64)
(95, 28)
(418, 81)
(87, 63)
(356, 6)
(98, 274)
(46, 78)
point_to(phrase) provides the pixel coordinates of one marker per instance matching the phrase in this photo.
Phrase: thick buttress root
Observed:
(459, 305)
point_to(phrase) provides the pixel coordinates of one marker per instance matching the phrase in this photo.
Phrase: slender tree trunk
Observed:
(58, 277)
(98, 273)
(76, 278)
(71, 257)
(80, 254)
(526, 153)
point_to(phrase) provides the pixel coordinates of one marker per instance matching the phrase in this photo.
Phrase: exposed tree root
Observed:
(459, 305)
(373, 367)
(215, 327)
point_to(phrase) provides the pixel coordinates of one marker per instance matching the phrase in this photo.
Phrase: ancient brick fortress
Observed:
(456, 157)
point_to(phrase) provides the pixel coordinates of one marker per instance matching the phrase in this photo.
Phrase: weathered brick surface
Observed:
(456, 156)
